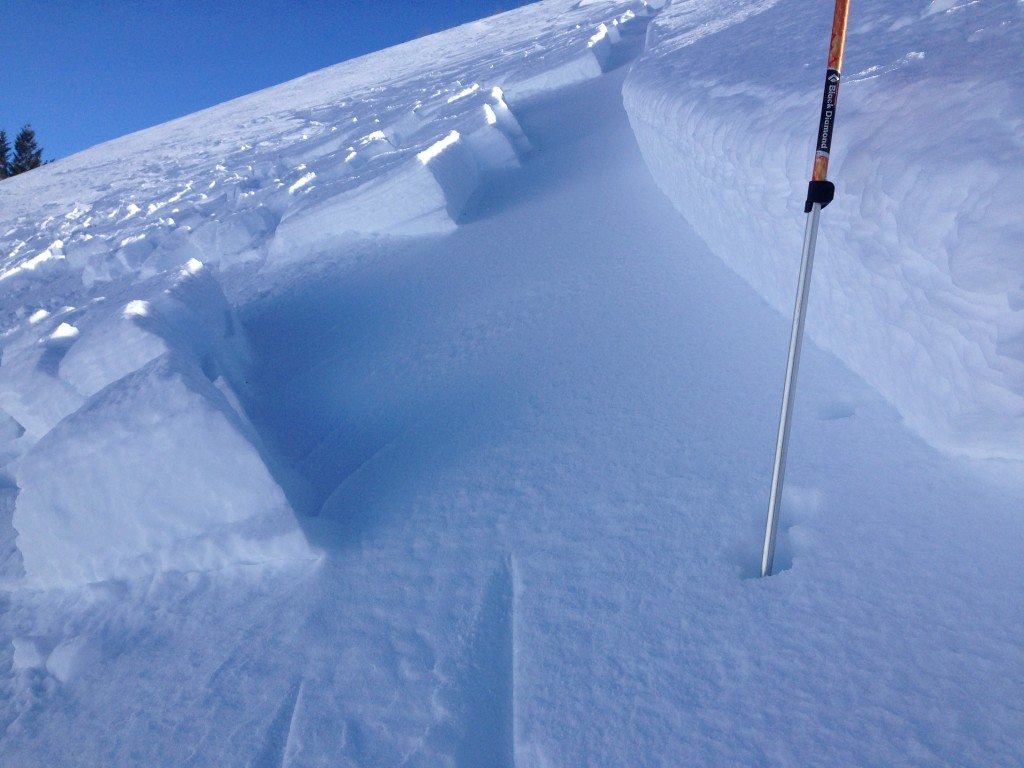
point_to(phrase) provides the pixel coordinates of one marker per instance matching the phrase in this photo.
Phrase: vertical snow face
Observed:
(144, 461)
(123, 488)
(917, 282)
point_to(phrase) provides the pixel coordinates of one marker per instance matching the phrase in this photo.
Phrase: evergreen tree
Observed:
(5, 151)
(26, 154)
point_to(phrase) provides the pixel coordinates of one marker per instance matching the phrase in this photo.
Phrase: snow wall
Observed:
(917, 282)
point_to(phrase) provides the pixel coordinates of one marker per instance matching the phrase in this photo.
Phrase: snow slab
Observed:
(136, 388)
(530, 446)
(157, 499)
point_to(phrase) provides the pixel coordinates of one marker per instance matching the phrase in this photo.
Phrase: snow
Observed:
(144, 426)
(421, 411)
(916, 278)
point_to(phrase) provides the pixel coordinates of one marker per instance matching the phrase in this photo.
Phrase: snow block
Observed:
(488, 129)
(579, 69)
(232, 237)
(110, 350)
(191, 316)
(399, 132)
(39, 406)
(158, 499)
(199, 317)
(367, 148)
(602, 42)
(506, 122)
(136, 403)
(50, 262)
(453, 163)
(406, 201)
(491, 150)
(31, 392)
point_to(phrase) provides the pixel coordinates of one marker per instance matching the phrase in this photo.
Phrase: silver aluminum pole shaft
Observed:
(795, 342)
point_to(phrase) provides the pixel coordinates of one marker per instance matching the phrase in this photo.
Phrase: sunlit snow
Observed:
(421, 411)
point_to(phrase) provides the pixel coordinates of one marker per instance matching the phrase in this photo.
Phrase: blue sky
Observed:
(86, 71)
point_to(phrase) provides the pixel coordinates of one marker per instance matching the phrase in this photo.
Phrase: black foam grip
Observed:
(819, 192)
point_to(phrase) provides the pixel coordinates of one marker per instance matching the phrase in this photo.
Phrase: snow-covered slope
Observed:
(918, 283)
(96, 310)
(394, 416)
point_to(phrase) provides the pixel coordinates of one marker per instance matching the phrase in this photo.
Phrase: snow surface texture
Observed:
(918, 283)
(393, 416)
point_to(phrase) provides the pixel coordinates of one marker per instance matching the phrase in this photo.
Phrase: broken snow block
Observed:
(155, 473)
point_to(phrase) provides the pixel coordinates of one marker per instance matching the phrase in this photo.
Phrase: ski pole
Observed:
(820, 192)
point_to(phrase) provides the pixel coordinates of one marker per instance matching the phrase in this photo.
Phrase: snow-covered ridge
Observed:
(118, 338)
(917, 283)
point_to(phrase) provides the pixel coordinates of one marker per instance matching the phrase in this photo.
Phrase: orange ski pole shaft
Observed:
(818, 192)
